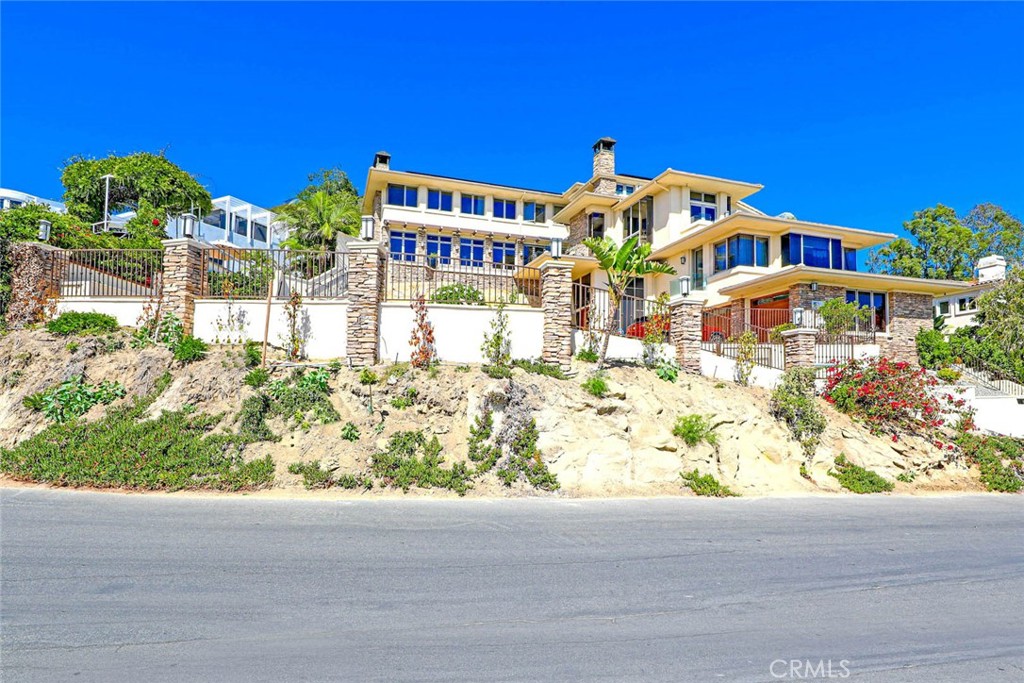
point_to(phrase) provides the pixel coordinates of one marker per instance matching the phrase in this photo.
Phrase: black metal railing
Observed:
(107, 272)
(634, 317)
(449, 280)
(721, 334)
(240, 273)
(980, 372)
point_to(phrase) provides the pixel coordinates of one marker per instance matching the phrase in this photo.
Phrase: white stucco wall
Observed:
(126, 310)
(459, 331)
(622, 348)
(323, 324)
(720, 367)
(999, 414)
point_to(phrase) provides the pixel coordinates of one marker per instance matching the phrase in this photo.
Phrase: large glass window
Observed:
(532, 251)
(819, 252)
(870, 300)
(259, 232)
(439, 200)
(471, 252)
(741, 250)
(215, 218)
(505, 208)
(403, 245)
(849, 259)
(624, 190)
(595, 227)
(702, 206)
(401, 195)
(241, 226)
(473, 204)
(439, 250)
(505, 253)
(697, 268)
(638, 219)
(534, 211)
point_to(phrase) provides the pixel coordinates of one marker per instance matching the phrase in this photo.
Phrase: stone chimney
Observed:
(991, 269)
(382, 160)
(604, 157)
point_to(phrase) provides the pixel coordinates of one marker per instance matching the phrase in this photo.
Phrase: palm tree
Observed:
(315, 220)
(621, 264)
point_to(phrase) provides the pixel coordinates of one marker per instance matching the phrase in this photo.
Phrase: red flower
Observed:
(156, 221)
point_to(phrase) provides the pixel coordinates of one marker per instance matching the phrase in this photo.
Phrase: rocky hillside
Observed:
(621, 444)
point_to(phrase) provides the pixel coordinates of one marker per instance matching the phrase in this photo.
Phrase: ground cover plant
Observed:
(75, 322)
(706, 485)
(413, 460)
(693, 429)
(1000, 459)
(793, 403)
(73, 398)
(857, 479)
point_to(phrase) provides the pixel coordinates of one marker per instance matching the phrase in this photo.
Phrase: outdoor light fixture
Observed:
(556, 247)
(814, 286)
(680, 286)
(44, 229)
(106, 201)
(366, 229)
(188, 225)
(798, 317)
(682, 260)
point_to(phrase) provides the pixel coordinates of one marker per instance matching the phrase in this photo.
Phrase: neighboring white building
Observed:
(232, 221)
(960, 308)
(12, 199)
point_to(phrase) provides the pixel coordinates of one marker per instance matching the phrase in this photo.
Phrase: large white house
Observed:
(12, 199)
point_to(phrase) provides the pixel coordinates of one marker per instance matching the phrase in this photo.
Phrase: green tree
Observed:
(140, 180)
(327, 207)
(1001, 312)
(621, 264)
(996, 232)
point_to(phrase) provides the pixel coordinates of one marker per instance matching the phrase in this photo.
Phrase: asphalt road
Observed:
(100, 587)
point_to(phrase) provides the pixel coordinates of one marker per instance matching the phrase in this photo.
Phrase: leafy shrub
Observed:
(793, 402)
(933, 351)
(596, 385)
(775, 335)
(174, 451)
(368, 377)
(462, 368)
(302, 397)
(413, 460)
(256, 377)
(190, 349)
(406, 399)
(253, 354)
(840, 315)
(497, 371)
(857, 479)
(313, 476)
(537, 367)
(458, 293)
(706, 485)
(397, 370)
(693, 429)
(1000, 459)
(353, 481)
(667, 370)
(485, 455)
(745, 356)
(804, 473)
(890, 398)
(948, 375)
(525, 459)
(252, 419)
(587, 355)
(75, 322)
(73, 398)
(72, 347)
(906, 477)
(350, 432)
(497, 346)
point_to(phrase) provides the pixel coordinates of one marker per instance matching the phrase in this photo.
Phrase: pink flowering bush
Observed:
(895, 398)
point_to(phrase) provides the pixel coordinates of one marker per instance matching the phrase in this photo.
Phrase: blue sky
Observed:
(856, 114)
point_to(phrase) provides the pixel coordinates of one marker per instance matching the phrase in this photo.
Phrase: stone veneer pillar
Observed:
(366, 264)
(34, 285)
(687, 319)
(908, 314)
(182, 279)
(737, 317)
(556, 301)
(799, 347)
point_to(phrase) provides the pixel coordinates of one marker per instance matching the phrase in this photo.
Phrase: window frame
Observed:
(405, 237)
(505, 204)
(471, 245)
(538, 211)
(438, 242)
(703, 206)
(441, 196)
(472, 199)
(508, 250)
(732, 252)
(592, 219)
(408, 191)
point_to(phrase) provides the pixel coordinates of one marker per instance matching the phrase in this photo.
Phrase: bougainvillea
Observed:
(896, 398)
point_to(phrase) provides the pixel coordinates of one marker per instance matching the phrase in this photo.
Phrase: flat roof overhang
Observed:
(852, 237)
(794, 275)
(581, 200)
(737, 189)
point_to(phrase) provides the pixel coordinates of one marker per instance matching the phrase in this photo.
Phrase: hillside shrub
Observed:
(75, 322)
(587, 355)
(313, 476)
(948, 375)
(458, 293)
(422, 339)
(497, 345)
(745, 355)
(350, 432)
(891, 397)
(256, 378)
(1000, 459)
(253, 354)
(857, 479)
(368, 377)
(190, 349)
(706, 485)
(933, 351)
(596, 385)
(667, 370)
(693, 429)
(303, 398)
(406, 399)
(537, 367)
(413, 460)
(73, 398)
(793, 402)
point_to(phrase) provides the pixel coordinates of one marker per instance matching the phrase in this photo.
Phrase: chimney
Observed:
(604, 157)
(991, 269)
(382, 160)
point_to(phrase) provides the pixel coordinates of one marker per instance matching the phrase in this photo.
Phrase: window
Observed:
(14, 203)
(241, 226)
(942, 308)
(638, 219)
(216, 218)
(439, 200)
(595, 225)
(505, 208)
(403, 246)
(819, 252)
(439, 250)
(556, 208)
(532, 251)
(401, 195)
(741, 250)
(535, 211)
(965, 304)
(505, 253)
(259, 232)
(471, 252)
(702, 206)
(697, 269)
(872, 300)
(473, 204)
(624, 190)
(849, 259)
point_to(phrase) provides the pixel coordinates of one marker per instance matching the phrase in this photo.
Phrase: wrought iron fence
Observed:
(982, 373)
(634, 317)
(448, 280)
(107, 272)
(720, 334)
(237, 273)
